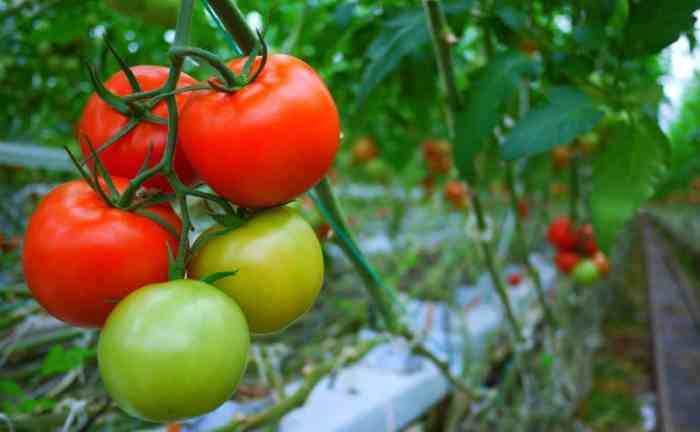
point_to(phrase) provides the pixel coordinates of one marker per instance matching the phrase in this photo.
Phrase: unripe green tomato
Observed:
(279, 263)
(585, 273)
(173, 350)
(377, 170)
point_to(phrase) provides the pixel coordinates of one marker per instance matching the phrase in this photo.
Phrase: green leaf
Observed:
(59, 360)
(228, 220)
(655, 24)
(625, 175)
(569, 114)
(10, 388)
(493, 86)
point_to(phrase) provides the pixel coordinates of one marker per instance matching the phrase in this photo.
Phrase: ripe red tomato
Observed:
(456, 193)
(562, 235)
(364, 150)
(267, 143)
(601, 262)
(81, 256)
(586, 240)
(99, 122)
(514, 279)
(566, 261)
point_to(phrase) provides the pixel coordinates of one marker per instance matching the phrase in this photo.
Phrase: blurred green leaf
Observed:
(493, 86)
(625, 174)
(655, 24)
(569, 114)
(60, 360)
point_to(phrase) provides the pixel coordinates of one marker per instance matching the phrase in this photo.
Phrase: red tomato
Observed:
(562, 235)
(586, 240)
(561, 157)
(523, 209)
(82, 256)
(601, 262)
(99, 122)
(566, 261)
(364, 150)
(267, 143)
(456, 193)
(514, 279)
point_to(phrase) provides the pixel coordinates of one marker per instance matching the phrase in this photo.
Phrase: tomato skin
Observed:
(81, 256)
(562, 235)
(585, 273)
(279, 263)
(173, 350)
(566, 261)
(267, 143)
(99, 122)
(456, 193)
(586, 240)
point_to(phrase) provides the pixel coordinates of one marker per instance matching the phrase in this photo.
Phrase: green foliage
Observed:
(16, 401)
(625, 174)
(492, 88)
(655, 24)
(570, 113)
(60, 360)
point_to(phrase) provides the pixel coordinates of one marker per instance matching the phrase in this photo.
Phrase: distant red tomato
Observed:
(99, 122)
(514, 279)
(566, 261)
(601, 262)
(456, 193)
(585, 241)
(364, 150)
(562, 235)
(523, 209)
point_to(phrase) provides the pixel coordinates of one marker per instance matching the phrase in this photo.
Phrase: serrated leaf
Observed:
(569, 114)
(60, 360)
(493, 86)
(625, 175)
(655, 24)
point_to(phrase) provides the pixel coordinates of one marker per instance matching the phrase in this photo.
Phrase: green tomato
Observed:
(279, 263)
(585, 272)
(377, 170)
(173, 350)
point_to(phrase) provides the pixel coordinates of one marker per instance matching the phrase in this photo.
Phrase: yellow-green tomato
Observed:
(585, 272)
(173, 350)
(279, 263)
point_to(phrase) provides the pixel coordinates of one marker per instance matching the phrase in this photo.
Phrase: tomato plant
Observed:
(81, 256)
(566, 261)
(162, 12)
(100, 122)
(267, 143)
(562, 234)
(173, 350)
(279, 267)
(456, 194)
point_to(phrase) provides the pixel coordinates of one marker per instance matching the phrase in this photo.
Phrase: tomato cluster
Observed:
(93, 261)
(578, 254)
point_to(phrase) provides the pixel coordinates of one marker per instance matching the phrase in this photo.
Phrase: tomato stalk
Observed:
(439, 30)
(574, 185)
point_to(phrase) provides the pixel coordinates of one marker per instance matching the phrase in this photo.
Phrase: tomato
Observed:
(378, 171)
(585, 273)
(82, 256)
(163, 12)
(523, 209)
(456, 193)
(527, 46)
(588, 143)
(561, 157)
(566, 261)
(267, 143)
(99, 122)
(173, 350)
(364, 150)
(514, 279)
(437, 155)
(558, 189)
(585, 241)
(428, 184)
(601, 262)
(279, 263)
(562, 235)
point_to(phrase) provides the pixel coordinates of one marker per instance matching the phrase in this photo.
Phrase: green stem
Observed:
(233, 19)
(384, 296)
(522, 245)
(574, 195)
(438, 28)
